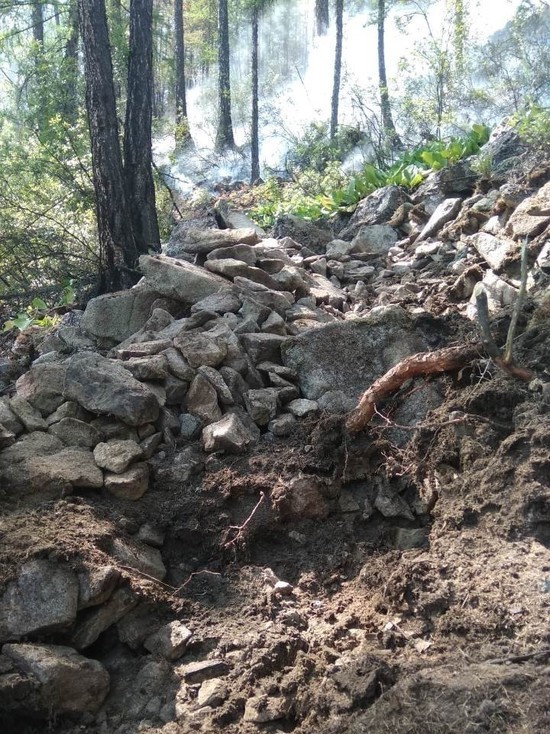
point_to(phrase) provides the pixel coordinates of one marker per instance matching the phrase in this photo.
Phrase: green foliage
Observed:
(314, 195)
(37, 312)
(315, 149)
(533, 126)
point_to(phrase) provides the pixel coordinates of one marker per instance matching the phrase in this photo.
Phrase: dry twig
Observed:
(241, 528)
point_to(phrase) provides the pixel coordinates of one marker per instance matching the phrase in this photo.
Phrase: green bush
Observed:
(533, 126)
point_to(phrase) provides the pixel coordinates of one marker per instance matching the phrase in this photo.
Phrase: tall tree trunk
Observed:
(224, 136)
(322, 16)
(390, 133)
(138, 159)
(255, 143)
(459, 28)
(337, 68)
(117, 248)
(71, 64)
(38, 22)
(183, 136)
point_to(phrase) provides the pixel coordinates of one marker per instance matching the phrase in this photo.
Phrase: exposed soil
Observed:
(451, 636)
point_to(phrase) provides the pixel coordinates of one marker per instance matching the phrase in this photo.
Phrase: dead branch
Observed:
(241, 528)
(425, 363)
(518, 305)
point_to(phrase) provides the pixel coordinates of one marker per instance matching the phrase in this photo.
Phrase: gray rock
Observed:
(300, 498)
(203, 670)
(68, 409)
(279, 301)
(202, 400)
(178, 365)
(30, 417)
(134, 348)
(223, 302)
(303, 408)
(29, 446)
(377, 208)
(151, 535)
(117, 455)
(74, 432)
(532, 216)
(218, 383)
(408, 538)
(175, 390)
(236, 384)
(42, 386)
(366, 349)
(212, 693)
(116, 316)
(302, 232)
(338, 249)
(66, 682)
(97, 620)
(446, 211)
(170, 641)
(283, 425)
(8, 418)
(103, 386)
(391, 505)
(130, 484)
(263, 347)
(201, 348)
(139, 556)
(336, 401)
(154, 367)
(494, 250)
(179, 280)
(246, 253)
(43, 598)
(95, 585)
(7, 438)
(227, 267)
(262, 404)
(274, 324)
(228, 434)
(262, 709)
(203, 241)
(375, 239)
(190, 426)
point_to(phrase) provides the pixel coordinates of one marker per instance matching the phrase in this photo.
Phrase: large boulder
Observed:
(377, 208)
(348, 355)
(103, 386)
(305, 233)
(178, 279)
(193, 241)
(42, 386)
(60, 680)
(116, 316)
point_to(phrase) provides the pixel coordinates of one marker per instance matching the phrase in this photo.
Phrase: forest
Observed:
(55, 182)
(274, 366)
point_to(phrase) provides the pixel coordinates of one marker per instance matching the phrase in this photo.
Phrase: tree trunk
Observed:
(322, 16)
(71, 65)
(459, 28)
(390, 133)
(138, 159)
(255, 143)
(224, 136)
(337, 68)
(117, 249)
(183, 136)
(38, 22)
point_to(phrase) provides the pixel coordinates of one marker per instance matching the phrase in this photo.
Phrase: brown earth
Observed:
(375, 635)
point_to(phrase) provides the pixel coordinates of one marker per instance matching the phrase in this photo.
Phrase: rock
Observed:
(336, 401)
(29, 446)
(218, 383)
(261, 709)
(114, 317)
(42, 386)
(390, 504)
(499, 294)
(175, 390)
(93, 623)
(178, 365)
(454, 179)
(274, 324)
(366, 349)
(178, 279)
(263, 347)
(42, 599)
(151, 535)
(67, 683)
(169, 641)
(190, 426)
(283, 425)
(68, 409)
(447, 210)
(147, 368)
(203, 670)
(74, 432)
(338, 249)
(494, 250)
(212, 693)
(375, 239)
(504, 145)
(279, 301)
(8, 418)
(202, 400)
(262, 404)
(30, 417)
(201, 348)
(302, 232)
(139, 556)
(301, 498)
(228, 434)
(7, 438)
(303, 408)
(103, 386)
(95, 585)
(408, 538)
(130, 484)
(223, 302)
(377, 208)
(203, 241)
(532, 216)
(246, 253)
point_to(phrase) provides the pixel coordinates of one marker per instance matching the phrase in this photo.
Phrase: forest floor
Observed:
(438, 626)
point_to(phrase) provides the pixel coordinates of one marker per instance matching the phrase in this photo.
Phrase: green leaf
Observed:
(39, 304)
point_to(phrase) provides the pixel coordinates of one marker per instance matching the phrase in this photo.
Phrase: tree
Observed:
(138, 158)
(256, 7)
(38, 22)
(322, 16)
(117, 249)
(224, 135)
(183, 136)
(390, 133)
(337, 68)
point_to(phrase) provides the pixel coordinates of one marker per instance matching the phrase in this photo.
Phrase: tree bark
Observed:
(337, 68)
(183, 136)
(459, 28)
(224, 136)
(71, 65)
(38, 22)
(322, 16)
(255, 143)
(390, 133)
(138, 159)
(117, 251)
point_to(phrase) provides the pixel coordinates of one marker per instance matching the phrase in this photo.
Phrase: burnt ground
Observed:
(376, 635)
